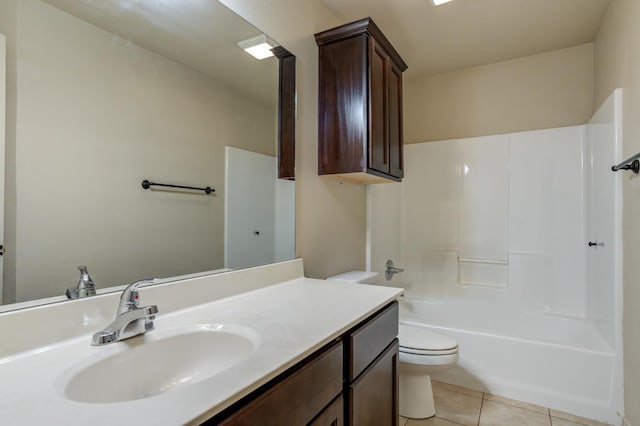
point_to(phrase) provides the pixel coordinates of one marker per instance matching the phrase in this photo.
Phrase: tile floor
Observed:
(460, 406)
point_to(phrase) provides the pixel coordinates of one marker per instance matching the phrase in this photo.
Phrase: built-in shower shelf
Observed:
(489, 261)
(483, 272)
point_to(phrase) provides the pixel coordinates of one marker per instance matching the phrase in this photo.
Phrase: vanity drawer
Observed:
(368, 340)
(298, 397)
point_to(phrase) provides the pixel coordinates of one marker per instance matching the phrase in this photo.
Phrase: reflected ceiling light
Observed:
(259, 47)
(439, 2)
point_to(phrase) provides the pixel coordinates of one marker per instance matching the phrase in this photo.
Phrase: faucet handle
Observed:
(390, 270)
(129, 299)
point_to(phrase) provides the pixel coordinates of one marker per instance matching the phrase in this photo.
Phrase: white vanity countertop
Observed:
(293, 319)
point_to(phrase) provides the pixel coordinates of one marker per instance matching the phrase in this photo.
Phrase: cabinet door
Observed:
(395, 122)
(378, 122)
(373, 398)
(342, 108)
(333, 415)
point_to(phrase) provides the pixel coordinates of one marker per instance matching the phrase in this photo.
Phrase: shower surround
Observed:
(494, 233)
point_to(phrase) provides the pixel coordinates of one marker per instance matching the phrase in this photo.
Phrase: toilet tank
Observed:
(361, 277)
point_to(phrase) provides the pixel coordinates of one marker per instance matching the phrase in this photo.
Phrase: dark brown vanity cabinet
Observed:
(360, 104)
(298, 396)
(351, 381)
(372, 372)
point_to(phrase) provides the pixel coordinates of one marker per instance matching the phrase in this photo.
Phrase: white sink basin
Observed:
(158, 361)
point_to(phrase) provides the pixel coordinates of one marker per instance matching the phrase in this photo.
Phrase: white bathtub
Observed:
(549, 360)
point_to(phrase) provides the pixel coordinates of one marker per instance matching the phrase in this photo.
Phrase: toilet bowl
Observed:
(422, 353)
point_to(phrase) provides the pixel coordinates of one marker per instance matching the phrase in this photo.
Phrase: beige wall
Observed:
(94, 116)
(617, 64)
(547, 90)
(536, 92)
(330, 217)
(3, 95)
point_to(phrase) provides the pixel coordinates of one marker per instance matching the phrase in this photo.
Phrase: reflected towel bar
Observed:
(146, 185)
(631, 163)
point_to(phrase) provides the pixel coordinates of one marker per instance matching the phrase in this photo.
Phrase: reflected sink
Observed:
(159, 361)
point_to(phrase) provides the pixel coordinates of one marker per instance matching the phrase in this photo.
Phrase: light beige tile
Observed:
(562, 422)
(519, 404)
(576, 419)
(433, 421)
(458, 389)
(497, 414)
(402, 421)
(457, 407)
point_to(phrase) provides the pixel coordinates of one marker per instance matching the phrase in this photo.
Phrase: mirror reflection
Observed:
(103, 95)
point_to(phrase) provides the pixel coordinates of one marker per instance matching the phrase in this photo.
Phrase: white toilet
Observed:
(422, 353)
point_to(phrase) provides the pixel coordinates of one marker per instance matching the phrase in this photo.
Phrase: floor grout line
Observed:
(481, 405)
(517, 406)
(450, 421)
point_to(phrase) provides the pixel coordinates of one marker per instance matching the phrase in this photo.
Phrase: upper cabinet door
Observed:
(378, 108)
(360, 104)
(396, 160)
(342, 112)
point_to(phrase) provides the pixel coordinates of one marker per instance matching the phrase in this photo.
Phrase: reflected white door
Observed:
(250, 192)
(3, 105)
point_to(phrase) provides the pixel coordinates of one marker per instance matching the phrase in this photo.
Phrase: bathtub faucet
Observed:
(391, 270)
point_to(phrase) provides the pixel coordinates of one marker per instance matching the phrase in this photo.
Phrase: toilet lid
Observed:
(421, 339)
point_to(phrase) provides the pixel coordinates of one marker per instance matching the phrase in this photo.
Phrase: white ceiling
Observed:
(202, 35)
(467, 33)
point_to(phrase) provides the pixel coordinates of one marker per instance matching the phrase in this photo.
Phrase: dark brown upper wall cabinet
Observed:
(360, 104)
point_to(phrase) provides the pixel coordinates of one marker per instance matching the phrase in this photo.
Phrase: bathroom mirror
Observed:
(103, 95)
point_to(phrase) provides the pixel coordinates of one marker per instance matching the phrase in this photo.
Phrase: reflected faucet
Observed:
(130, 320)
(85, 287)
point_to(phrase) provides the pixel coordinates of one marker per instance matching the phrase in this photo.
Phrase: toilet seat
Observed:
(428, 352)
(428, 360)
(419, 346)
(422, 342)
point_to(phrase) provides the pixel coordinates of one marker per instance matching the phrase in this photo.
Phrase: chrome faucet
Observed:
(391, 270)
(130, 320)
(85, 287)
